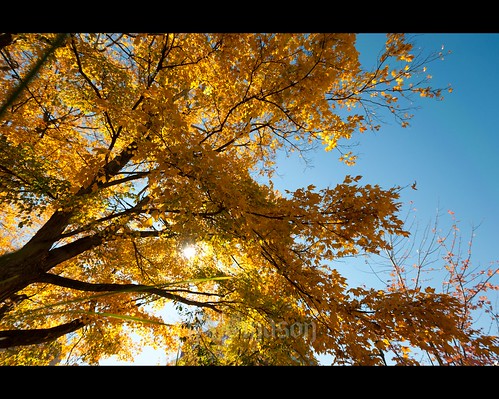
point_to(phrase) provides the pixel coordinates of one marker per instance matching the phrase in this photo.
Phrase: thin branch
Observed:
(117, 288)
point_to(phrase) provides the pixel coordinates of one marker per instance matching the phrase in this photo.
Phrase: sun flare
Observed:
(189, 251)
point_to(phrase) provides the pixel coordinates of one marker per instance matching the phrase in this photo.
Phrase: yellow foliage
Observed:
(126, 148)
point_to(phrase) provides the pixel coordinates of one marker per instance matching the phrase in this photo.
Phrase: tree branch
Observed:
(111, 287)
(10, 338)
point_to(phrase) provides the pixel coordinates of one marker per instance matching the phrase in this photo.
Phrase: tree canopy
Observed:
(136, 173)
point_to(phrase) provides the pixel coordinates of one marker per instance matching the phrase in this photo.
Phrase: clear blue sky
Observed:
(451, 147)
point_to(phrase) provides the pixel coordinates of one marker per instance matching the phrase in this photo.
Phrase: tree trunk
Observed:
(20, 268)
(10, 338)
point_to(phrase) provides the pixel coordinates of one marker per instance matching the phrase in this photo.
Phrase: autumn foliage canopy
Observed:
(136, 176)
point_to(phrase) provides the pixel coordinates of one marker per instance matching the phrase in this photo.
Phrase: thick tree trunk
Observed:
(5, 40)
(20, 268)
(29, 264)
(10, 338)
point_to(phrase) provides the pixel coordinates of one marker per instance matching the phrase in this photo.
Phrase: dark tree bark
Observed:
(10, 338)
(5, 40)
(21, 268)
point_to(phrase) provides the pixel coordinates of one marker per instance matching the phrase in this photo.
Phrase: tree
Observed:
(119, 151)
(435, 260)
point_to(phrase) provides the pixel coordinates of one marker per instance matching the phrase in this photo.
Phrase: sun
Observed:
(189, 251)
